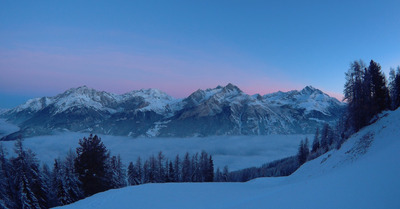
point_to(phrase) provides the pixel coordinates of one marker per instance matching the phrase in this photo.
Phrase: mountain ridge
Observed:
(224, 110)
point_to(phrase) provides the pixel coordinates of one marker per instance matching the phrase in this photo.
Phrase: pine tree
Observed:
(71, 180)
(210, 170)
(58, 183)
(303, 151)
(139, 171)
(379, 92)
(394, 87)
(152, 169)
(146, 172)
(177, 168)
(171, 172)
(47, 182)
(7, 194)
(225, 174)
(353, 94)
(25, 178)
(397, 89)
(118, 172)
(195, 168)
(325, 138)
(160, 173)
(131, 174)
(91, 165)
(186, 175)
(316, 143)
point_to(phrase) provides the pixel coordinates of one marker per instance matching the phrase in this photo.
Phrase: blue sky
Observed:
(47, 47)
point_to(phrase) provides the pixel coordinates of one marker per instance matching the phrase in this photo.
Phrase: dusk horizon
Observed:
(179, 104)
(179, 47)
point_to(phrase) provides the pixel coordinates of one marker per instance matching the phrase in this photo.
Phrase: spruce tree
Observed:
(91, 165)
(25, 178)
(353, 94)
(138, 171)
(379, 92)
(186, 175)
(7, 193)
(131, 174)
(316, 143)
(210, 170)
(171, 172)
(394, 87)
(218, 175)
(71, 180)
(225, 174)
(118, 172)
(58, 183)
(177, 168)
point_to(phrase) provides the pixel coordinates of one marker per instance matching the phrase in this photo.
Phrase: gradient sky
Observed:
(264, 46)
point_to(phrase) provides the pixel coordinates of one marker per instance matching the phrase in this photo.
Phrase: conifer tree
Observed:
(25, 177)
(379, 92)
(131, 174)
(7, 194)
(303, 151)
(171, 172)
(118, 172)
(186, 175)
(71, 180)
(91, 165)
(353, 94)
(394, 87)
(218, 175)
(160, 173)
(47, 184)
(58, 183)
(225, 174)
(316, 143)
(177, 168)
(210, 170)
(139, 171)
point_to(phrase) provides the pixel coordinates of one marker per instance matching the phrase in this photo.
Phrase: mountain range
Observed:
(224, 110)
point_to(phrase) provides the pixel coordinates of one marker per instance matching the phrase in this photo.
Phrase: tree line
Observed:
(91, 169)
(368, 93)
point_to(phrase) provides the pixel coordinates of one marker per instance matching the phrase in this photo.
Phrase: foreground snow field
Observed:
(364, 173)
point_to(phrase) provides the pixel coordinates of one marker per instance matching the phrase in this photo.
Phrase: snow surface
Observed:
(236, 152)
(364, 173)
(309, 98)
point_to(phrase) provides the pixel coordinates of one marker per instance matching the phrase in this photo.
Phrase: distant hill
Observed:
(151, 113)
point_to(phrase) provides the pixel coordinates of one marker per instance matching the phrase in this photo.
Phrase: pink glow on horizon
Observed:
(51, 74)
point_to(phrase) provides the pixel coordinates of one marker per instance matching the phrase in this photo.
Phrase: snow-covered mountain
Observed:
(363, 173)
(150, 112)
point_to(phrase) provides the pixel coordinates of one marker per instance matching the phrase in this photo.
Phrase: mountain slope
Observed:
(362, 174)
(150, 112)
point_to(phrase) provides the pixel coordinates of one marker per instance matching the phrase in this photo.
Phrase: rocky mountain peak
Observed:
(310, 90)
(231, 88)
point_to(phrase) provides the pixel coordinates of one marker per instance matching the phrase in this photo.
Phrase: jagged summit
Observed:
(310, 90)
(224, 110)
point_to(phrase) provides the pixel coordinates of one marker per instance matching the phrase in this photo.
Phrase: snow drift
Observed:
(364, 173)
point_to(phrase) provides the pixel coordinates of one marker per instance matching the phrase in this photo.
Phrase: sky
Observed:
(47, 47)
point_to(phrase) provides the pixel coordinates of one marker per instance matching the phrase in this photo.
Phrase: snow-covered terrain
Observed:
(364, 173)
(152, 113)
(236, 152)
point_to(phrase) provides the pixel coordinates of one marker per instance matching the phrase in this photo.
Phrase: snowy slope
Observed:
(364, 173)
(152, 113)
